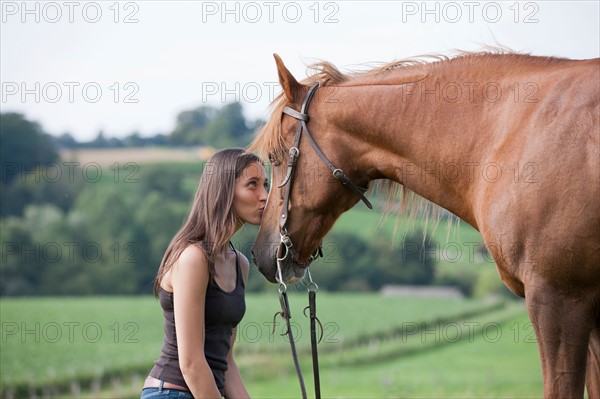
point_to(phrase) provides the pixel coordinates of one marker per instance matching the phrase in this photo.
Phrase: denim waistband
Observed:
(165, 393)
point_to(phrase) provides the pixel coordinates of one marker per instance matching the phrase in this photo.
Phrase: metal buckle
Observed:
(294, 152)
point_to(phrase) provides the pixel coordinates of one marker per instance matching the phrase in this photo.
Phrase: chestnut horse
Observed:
(507, 142)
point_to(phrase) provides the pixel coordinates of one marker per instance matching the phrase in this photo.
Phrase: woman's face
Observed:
(250, 195)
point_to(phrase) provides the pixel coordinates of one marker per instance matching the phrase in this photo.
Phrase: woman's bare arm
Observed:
(189, 278)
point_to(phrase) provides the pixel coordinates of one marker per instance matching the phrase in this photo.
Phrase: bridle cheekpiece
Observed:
(294, 152)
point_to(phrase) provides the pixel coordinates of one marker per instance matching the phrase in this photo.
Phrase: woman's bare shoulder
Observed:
(191, 265)
(193, 253)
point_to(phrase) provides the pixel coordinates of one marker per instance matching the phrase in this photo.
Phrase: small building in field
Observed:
(421, 291)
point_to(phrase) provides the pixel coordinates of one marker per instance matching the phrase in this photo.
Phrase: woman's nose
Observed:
(263, 195)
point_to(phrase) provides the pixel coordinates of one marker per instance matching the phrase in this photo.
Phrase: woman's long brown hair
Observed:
(211, 221)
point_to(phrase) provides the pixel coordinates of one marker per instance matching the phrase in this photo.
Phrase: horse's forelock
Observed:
(269, 141)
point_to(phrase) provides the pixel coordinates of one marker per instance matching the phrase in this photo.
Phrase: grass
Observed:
(488, 366)
(38, 333)
(52, 340)
(482, 367)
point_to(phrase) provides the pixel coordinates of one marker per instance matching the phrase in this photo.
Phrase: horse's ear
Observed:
(291, 87)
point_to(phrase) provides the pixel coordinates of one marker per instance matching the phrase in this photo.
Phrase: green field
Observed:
(483, 368)
(373, 346)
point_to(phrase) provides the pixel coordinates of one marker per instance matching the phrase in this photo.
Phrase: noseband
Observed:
(294, 153)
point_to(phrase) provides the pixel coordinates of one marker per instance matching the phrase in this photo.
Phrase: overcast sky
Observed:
(81, 67)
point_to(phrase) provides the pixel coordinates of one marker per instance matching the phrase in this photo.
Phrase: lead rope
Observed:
(287, 315)
(312, 306)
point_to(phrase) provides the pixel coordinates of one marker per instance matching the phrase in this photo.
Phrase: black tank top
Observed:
(223, 311)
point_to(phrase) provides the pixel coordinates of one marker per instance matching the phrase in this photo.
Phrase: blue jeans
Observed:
(164, 393)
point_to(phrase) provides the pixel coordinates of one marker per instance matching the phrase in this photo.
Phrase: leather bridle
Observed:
(294, 153)
(286, 243)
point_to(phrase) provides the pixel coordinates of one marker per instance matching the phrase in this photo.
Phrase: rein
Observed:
(287, 315)
(287, 246)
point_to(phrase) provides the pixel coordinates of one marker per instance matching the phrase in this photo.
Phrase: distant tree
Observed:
(35, 249)
(228, 128)
(55, 183)
(218, 128)
(158, 139)
(66, 140)
(23, 146)
(17, 277)
(190, 125)
(410, 263)
(490, 283)
(133, 140)
(114, 142)
(107, 219)
(355, 264)
(99, 142)
(463, 277)
(158, 220)
(167, 182)
(26, 152)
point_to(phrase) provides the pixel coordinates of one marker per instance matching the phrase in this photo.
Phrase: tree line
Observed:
(205, 125)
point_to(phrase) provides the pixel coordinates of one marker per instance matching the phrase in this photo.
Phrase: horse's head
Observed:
(316, 197)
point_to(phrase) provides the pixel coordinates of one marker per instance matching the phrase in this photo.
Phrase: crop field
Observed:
(145, 155)
(373, 346)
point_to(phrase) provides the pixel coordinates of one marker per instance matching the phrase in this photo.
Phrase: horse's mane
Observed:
(269, 141)
(398, 199)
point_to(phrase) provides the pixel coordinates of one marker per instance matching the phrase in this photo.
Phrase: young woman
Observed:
(200, 283)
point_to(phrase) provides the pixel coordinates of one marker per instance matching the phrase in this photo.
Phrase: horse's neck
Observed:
(433, 135)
